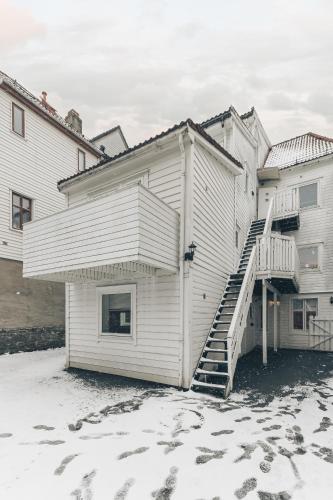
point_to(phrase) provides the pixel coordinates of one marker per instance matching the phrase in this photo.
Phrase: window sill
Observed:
(16, 134)
(116, 337)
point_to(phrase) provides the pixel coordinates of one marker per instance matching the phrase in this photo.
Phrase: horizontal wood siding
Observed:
(112, 142)
(127, 225)
(155, 354)
(213, 233)
(31, 166)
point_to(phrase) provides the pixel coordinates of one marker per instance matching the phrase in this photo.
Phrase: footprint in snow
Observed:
(168, 488)
(123, 492)
(6, 435)
(247, 486)
(59, 470)
(138, 451)
(43, 428)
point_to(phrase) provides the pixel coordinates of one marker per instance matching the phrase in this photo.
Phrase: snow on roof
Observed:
(299, 149)
(50, 112)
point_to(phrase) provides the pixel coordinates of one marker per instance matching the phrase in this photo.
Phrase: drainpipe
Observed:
(185, 370)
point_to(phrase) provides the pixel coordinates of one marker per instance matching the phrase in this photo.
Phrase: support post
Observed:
(275, 323)
(264, 322)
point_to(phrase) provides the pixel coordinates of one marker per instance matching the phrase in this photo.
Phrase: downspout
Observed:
(185, 238)
(181, 254)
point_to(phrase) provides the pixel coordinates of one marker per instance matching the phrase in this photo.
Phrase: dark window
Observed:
(18, 120)
(21, 210)
(116, 313)
(303, 310)
(81, 160)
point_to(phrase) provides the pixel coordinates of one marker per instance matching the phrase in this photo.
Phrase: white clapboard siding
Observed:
(124, 226)
(32, 166)
(155, 354)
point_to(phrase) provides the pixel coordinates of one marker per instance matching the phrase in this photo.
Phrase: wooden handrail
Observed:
(238, 322)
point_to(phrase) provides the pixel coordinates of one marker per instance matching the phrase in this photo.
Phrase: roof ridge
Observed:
(321, 137)
(106, 132)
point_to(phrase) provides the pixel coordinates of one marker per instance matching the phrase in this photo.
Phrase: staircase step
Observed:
(213, 361)
(226, 299)
(211, 349)
(212, 339)
(214, 330)
(201, 371)
(228, 307)
(197, 383)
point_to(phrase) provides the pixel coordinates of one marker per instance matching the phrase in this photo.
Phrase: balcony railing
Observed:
(285, 203)
(277, 256)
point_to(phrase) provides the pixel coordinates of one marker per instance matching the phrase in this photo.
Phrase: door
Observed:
(265, 195)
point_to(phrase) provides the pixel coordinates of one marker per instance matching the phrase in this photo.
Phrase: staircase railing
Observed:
(285, 202)
(238, 323)
(320, 334)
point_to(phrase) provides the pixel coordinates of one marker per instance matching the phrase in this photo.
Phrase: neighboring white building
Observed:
(37, 147)
(169, 272)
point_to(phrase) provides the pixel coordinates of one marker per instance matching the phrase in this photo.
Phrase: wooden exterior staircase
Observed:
(218, 359)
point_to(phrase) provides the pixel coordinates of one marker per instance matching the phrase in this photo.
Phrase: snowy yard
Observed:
(72, 435)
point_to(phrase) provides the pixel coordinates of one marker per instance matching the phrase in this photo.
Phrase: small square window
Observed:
(18, 120)
(308, 257)
(21, 210)
(117, 310)
(81, 160)
(308, 195)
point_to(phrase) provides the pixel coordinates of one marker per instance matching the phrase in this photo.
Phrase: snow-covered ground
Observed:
(66, 436)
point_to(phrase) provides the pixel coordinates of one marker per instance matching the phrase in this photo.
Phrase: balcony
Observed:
(277, 260)
(286, 210)
(127, 233)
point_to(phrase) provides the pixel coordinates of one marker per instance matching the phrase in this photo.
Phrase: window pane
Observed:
(26, 203)
(311, 310)
(18, 118)
(16, 222)
(297, 304)
(308, 257)
(298, 320)
(116, 313)
(26, 216)
(16, 200)
(308, 195)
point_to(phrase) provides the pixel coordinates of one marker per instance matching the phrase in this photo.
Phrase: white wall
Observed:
(213, 233)
(113, 142)
(31, 166)
(156, 355)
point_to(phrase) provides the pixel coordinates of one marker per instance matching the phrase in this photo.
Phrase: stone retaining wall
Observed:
(31, 339)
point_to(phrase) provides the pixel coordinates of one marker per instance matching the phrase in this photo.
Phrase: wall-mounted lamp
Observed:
(331, 300)
(189, 255)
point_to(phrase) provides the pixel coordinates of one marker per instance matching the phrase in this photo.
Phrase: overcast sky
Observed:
(147, 64)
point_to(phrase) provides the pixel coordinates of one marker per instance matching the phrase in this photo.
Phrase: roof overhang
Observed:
(38, 109)
(268, 174)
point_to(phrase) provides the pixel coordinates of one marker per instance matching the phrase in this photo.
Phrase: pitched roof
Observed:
(299, 149)
(109, 161)
(46, 111)
(217, 118)
(110, 131)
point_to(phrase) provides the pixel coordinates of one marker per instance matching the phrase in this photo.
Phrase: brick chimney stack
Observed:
(74, 120)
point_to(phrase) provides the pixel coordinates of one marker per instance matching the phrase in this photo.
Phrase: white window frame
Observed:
(313, 181)
(318, 245)
(18, 106)
(303, 331)
(116, 289)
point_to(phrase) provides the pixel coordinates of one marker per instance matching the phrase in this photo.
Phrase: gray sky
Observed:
(147, 64)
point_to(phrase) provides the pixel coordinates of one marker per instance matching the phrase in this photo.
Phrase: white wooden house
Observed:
(170, 274)
(37, 147)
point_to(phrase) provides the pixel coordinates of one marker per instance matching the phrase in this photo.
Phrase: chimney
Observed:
(74, 120)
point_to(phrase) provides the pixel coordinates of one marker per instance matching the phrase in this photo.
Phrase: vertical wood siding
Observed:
(32, 166)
